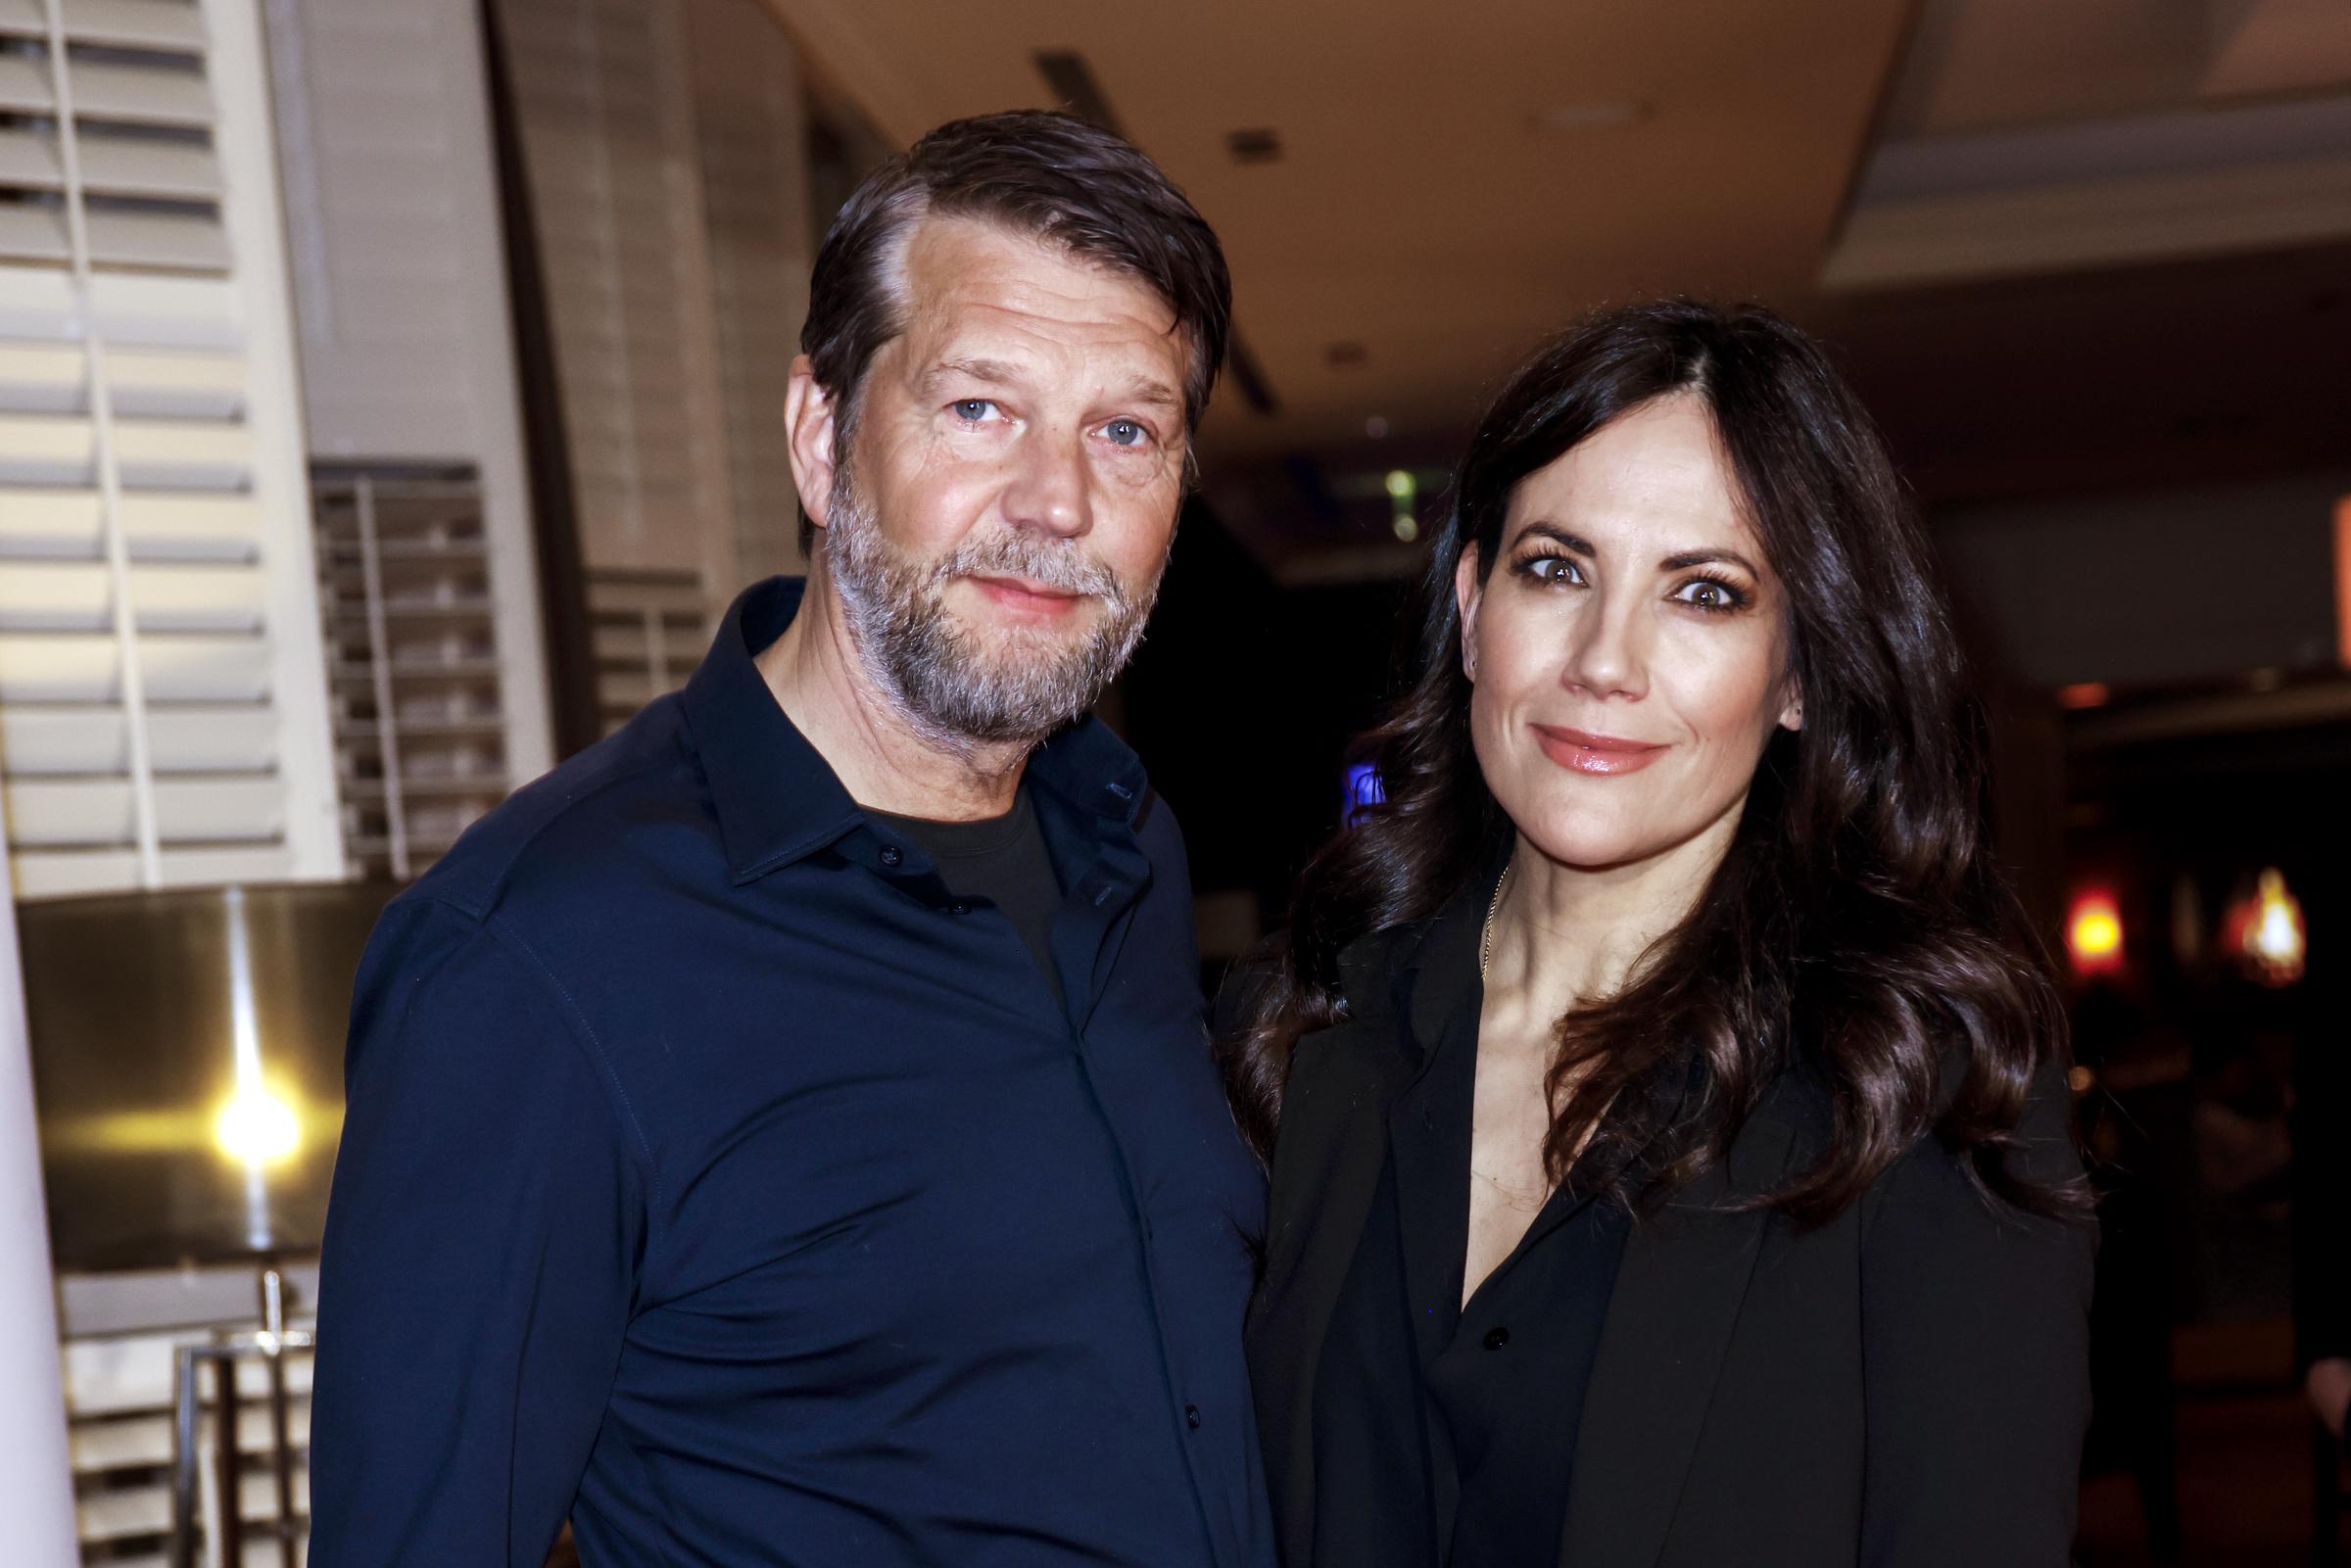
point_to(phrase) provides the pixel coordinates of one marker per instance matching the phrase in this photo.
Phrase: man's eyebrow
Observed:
(989, 373)
(1148, 390)
(1152, 391)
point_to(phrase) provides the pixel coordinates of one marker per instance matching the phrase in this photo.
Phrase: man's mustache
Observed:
(1055, 566)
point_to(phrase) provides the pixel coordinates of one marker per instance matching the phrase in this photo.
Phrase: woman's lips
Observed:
(1586, 752)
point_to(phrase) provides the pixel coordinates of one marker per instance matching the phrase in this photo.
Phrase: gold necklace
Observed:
(1485, 942)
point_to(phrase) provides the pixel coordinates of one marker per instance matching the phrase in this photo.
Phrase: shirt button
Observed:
(891, 855)
(1497, 1337)
(1191, 1416)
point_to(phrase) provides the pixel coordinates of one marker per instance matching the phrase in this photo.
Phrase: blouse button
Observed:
(1497, 1337)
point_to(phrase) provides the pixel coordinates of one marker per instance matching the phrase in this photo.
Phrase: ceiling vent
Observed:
(1258, 145)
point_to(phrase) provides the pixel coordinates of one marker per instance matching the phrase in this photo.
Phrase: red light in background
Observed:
(2094, 933)
(2342, 579)
(2084, 695)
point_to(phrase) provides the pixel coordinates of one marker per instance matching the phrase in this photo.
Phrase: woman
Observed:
(1667, 1122)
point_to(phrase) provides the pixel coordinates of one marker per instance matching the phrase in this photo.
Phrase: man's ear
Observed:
(808, 433)
(1467, 590)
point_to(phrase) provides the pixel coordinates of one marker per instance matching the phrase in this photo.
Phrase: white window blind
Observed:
(420, 709)
(752, 120)
(604, 96)
(650, 629)
(388, 170)
(162, 691)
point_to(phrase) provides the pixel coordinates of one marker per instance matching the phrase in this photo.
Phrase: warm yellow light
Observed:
(2094, 934)
(1400, 484)
(2098, 933)
(2275, 938)
(257, 1128)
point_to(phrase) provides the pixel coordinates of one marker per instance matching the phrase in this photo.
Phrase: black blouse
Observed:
(1444, 1434)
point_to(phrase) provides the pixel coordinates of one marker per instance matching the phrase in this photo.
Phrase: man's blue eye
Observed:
(1125, 432)
(973, 408)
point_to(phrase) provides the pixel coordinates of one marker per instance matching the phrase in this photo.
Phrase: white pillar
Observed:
(36, 1483)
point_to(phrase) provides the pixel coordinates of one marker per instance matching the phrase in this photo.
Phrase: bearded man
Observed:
(785, 1134)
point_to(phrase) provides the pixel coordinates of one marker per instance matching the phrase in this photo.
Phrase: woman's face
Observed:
(1628, 649)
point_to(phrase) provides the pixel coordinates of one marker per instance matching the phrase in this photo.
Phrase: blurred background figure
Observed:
(390, 399)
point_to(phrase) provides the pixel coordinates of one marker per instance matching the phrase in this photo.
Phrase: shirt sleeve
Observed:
(1975, 1362)
(479, 1261)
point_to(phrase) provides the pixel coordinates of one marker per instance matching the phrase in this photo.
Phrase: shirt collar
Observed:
(776, 798)
(1421, 971)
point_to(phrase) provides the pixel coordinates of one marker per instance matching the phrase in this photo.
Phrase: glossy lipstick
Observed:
(1586, 752)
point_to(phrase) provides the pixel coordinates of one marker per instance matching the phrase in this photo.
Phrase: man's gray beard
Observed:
(952, 692)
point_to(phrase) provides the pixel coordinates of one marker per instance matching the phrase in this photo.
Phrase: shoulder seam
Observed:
(511, 941)
(494, 885)
(510, 938)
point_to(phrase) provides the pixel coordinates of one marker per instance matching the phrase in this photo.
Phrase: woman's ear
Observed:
(1467, 590)
(1792, 707)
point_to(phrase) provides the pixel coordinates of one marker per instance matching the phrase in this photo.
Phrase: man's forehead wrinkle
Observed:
(993, 273)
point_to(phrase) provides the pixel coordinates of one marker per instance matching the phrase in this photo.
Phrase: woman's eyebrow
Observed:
(1575, 544)
(1707, 558)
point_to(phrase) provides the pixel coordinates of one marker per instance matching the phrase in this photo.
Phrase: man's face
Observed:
(1002, 514)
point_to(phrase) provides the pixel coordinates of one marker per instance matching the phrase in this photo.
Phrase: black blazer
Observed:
(1905, 1386)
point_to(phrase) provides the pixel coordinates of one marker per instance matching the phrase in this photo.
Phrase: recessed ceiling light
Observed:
(1345, 354)
(1260, 143)
(1376, 427)
(1598, 114)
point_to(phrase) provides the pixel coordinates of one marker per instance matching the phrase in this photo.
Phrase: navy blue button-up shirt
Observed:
(709, 1178)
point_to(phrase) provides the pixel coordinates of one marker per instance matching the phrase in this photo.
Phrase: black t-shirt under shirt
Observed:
(1002, 860)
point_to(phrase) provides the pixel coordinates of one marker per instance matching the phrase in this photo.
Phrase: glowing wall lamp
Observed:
(2265, 933)
(187, 1051)
(257, 1128)
(2094, 933)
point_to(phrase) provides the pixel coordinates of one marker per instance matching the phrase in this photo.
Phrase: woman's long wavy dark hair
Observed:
(1858, 932)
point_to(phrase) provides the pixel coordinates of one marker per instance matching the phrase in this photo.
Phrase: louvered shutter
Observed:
(426, 558)
(752, 117)
(163, 694)
(603, 91)
(422, 725)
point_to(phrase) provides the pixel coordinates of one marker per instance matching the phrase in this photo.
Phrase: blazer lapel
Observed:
(1678, 1293)
(1327, 1164)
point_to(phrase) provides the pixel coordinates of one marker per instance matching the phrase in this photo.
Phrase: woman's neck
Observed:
(1565, 937)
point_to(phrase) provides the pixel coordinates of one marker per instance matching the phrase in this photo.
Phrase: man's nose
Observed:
(1048, 491)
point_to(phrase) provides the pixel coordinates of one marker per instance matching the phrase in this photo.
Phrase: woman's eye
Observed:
(1553, 569)
(1125, 433)
(972, 410)
(1706, 595)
